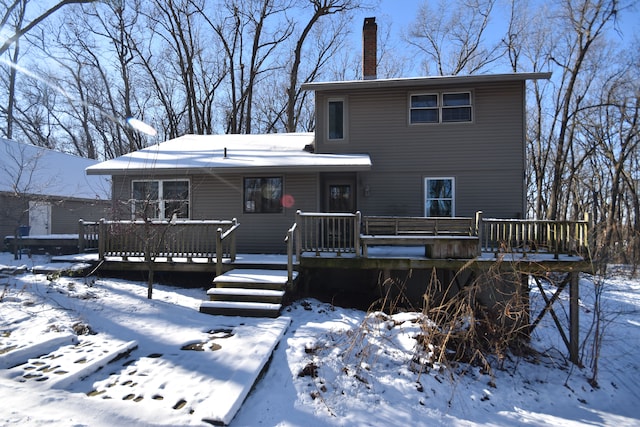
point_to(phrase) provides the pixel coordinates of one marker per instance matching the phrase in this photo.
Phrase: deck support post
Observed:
(574, 316)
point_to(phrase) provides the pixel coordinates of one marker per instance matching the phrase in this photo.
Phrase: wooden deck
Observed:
(343, 240)
(352, 242)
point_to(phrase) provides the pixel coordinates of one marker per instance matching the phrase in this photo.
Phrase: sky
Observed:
(400, 14)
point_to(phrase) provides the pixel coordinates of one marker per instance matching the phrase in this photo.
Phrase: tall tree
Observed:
(320, 8)
(453, 38)
(583, 22)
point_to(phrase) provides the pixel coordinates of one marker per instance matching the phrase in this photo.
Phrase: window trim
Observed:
(160, 200)
(441, 107)
(436, 108)
(425, 181)
(344, 119)
(244, 197)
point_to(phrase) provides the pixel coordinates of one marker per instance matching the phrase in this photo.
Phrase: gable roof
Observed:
(430, 81)
(30, 170)
(195, 154)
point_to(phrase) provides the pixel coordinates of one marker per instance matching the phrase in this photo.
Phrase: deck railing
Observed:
(535, 236)
(207, 239)
(88, 236)
(337, 233)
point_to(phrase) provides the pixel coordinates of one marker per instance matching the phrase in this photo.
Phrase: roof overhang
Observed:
(224, 154)
(430, 81)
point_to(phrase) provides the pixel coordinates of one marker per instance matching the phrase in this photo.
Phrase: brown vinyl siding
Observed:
(65, 213)
(14, 211)
(221, 197)
(485, 156)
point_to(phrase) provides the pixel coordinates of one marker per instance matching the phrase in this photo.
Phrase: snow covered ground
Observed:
(164, 363)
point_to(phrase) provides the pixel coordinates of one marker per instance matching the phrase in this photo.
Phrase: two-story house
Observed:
(425, 146)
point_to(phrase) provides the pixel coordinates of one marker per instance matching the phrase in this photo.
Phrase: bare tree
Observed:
(250, 31)
(452, 38)
(584, 23)
(320, 8)
(15, 22)
(19, 6)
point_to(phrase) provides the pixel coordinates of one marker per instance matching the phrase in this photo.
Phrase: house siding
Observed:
(485, 156)
(221, 197)
(65, 213)
(14, 211)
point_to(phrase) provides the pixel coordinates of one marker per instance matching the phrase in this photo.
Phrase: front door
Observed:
(339, 194)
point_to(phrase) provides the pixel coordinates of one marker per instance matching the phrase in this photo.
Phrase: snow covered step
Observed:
(245, 295)
(253, 279)
(237, 308)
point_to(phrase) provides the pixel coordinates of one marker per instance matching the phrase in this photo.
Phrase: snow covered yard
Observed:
(164, 363)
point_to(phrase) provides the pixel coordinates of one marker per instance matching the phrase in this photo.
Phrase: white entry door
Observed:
(40, 218)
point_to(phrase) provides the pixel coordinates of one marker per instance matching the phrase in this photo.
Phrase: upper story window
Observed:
(446, 107)
(424, 109)
(263, 195)
(336, 122)
(160, 199)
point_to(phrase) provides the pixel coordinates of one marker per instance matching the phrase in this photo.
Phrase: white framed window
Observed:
(263, 194)
(336, 123)
(445, 107)
(439, 197)
(424, 108)
(160, 199)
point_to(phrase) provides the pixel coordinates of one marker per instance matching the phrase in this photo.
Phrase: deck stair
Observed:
(247, 292)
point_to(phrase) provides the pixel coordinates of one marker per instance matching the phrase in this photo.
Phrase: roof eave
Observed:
(424, 81)
(230, 170)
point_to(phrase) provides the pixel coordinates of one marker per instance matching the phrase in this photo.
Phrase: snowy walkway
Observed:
(178, 361)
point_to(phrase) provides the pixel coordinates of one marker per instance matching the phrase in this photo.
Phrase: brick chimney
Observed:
(369, 49)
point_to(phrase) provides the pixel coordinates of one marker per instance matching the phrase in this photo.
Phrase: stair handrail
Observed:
(289, 239)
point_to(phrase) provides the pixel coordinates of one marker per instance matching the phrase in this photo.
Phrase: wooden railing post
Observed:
(102, 236)
(479, 231)
(586, 238)
(234, 223)
(357, 227)
(298, 239)
(218, 251)
(80, 236)
(289, 239)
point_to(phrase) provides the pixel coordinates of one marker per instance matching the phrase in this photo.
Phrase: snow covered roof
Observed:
(193, 154)
(27, 169)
